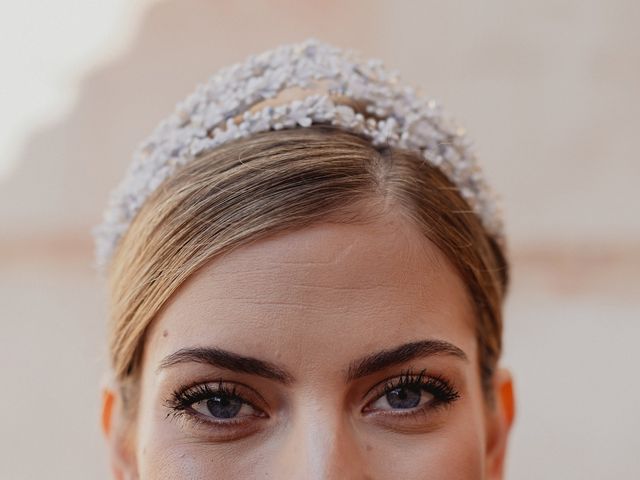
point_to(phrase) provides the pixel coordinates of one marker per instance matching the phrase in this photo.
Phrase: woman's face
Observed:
(334, 352)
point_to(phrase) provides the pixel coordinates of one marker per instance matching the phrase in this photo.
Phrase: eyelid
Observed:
(382, 383)
(443, 390)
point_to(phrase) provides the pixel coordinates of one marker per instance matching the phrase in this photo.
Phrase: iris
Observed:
(404, 397)
(224, 406)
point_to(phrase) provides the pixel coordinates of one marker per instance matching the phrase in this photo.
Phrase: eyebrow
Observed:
(229, 361)
(362, 367)
(403, 353)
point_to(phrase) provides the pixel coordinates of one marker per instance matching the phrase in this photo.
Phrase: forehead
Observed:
(353, 287)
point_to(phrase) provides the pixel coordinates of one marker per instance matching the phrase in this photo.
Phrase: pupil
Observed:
(223, 406)
(404, 397)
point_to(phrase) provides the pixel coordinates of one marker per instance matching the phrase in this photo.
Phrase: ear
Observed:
(499, 421)
(117, 435)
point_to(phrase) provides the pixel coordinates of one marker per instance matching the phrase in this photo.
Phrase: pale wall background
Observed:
(547, 89)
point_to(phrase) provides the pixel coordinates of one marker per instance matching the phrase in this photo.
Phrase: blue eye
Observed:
(412, 391)
(404, 397)
(222, 405)
(216, 403)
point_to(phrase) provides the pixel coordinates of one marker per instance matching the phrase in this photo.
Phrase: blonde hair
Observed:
(283, 180)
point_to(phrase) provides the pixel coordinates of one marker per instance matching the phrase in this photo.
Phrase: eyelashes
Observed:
(204, 402)
(182, 399)
(236, 406)
(412, 392)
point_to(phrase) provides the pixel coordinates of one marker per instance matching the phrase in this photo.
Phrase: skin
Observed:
(314, 303)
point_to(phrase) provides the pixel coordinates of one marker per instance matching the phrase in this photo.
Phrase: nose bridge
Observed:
(320, 444)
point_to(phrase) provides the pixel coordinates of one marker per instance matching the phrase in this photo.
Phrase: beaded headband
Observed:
(247, 98)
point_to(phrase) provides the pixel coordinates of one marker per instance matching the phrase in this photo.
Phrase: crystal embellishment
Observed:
(239, 101)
